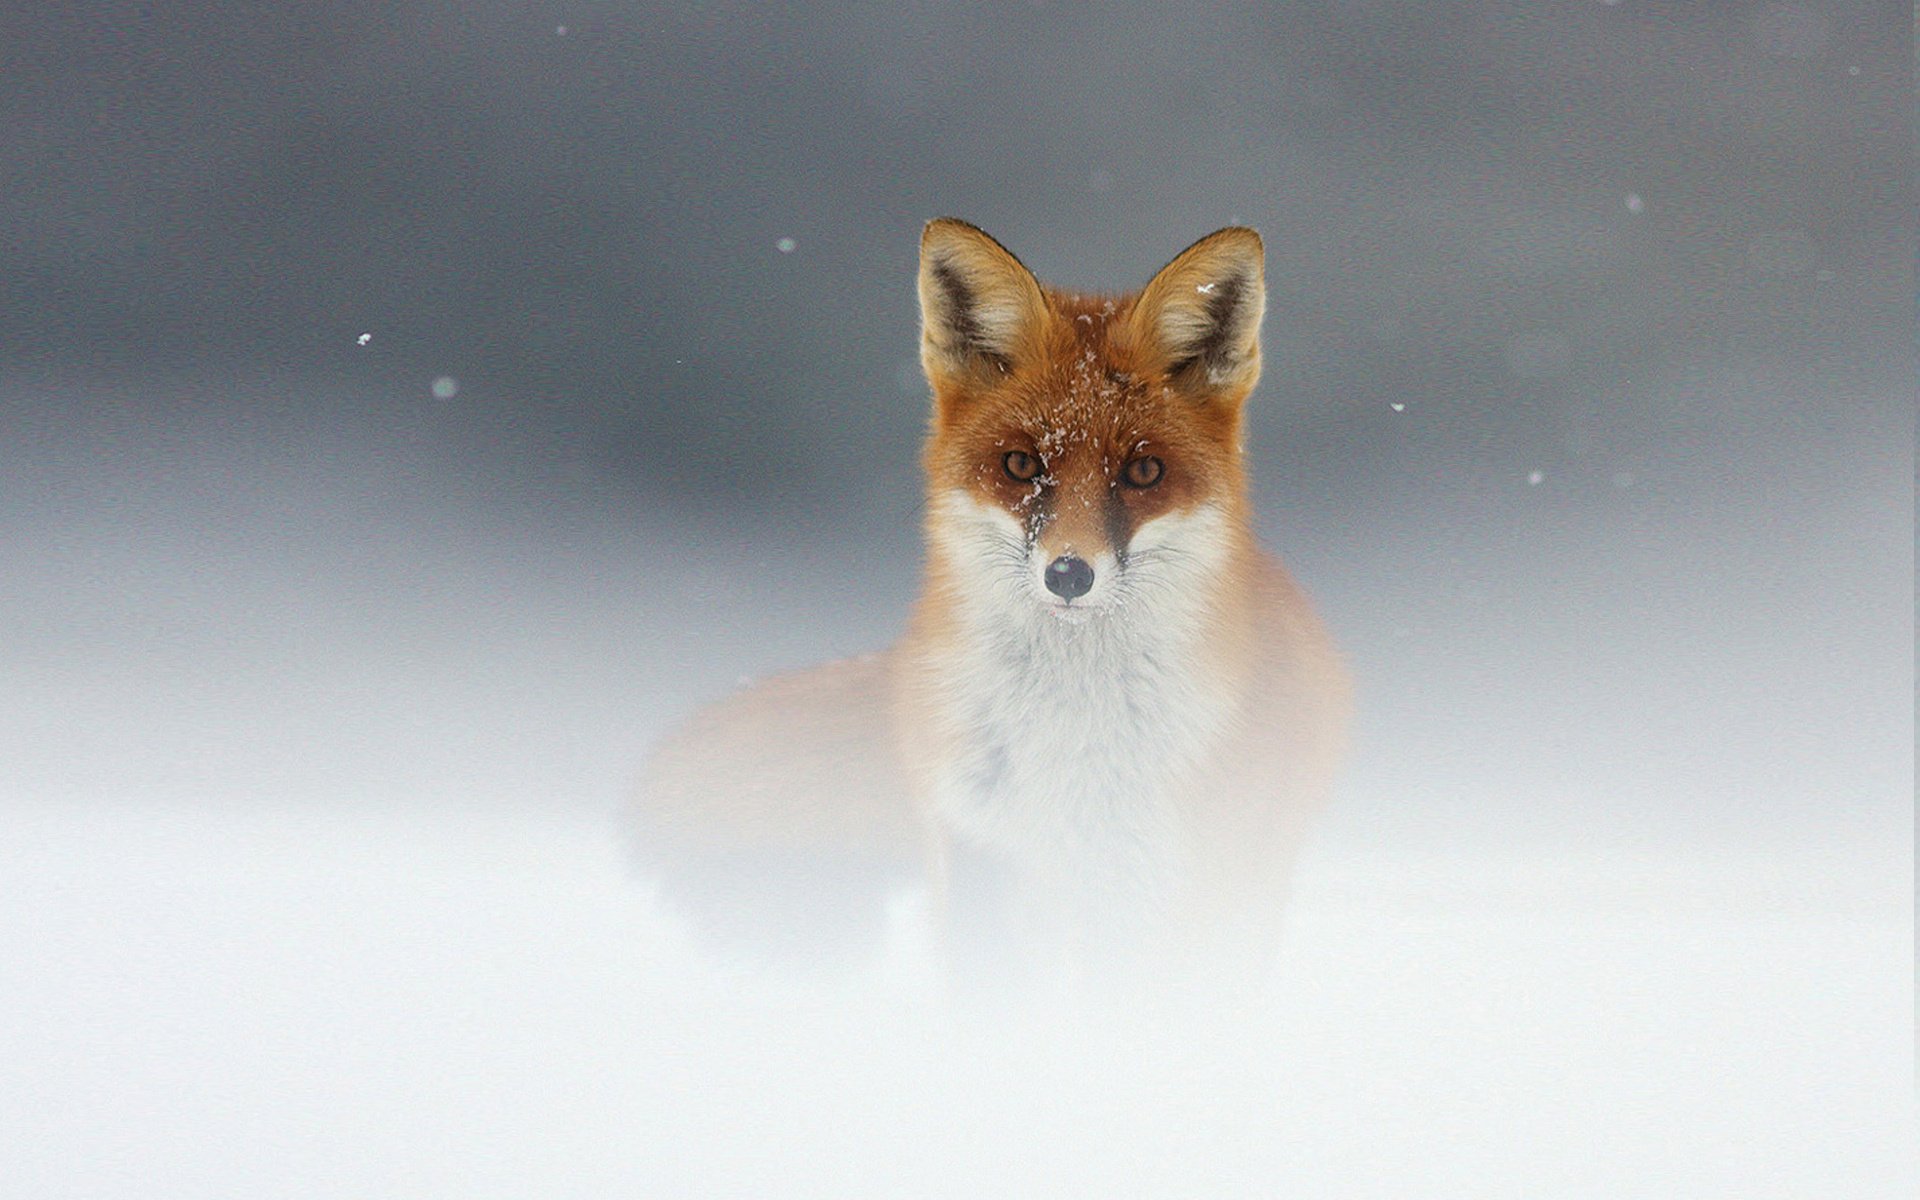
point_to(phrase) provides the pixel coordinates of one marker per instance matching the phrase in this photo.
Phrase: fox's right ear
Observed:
(981, 310)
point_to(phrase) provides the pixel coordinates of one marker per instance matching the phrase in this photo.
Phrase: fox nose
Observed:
(1069, 577)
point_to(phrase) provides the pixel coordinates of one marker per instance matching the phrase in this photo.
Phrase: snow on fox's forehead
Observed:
(1092, 404)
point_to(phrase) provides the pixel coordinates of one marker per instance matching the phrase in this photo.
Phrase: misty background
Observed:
(407, 414)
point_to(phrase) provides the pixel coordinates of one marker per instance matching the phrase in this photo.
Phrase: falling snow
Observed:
(445, 387)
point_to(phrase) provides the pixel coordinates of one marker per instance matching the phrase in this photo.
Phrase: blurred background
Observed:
(406, 413)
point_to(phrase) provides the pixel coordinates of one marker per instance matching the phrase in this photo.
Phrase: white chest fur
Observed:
(1071, 745)
(1070, 739)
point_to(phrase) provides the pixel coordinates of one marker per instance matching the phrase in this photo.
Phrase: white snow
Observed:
(327, 1000)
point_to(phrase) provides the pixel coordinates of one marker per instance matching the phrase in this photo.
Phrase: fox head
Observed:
(1085, 451)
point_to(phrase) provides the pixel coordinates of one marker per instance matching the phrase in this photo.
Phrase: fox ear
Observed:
(980, 308)
(1200, 317)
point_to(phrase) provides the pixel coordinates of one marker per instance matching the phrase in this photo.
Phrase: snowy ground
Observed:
(314, 1002)
(312, 884)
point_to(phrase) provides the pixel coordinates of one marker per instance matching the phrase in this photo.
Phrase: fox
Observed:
(1113, 716)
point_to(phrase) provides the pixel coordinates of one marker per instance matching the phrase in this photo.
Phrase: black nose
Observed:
(1069, 577)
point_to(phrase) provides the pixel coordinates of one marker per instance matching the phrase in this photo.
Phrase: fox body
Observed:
(1112, 713)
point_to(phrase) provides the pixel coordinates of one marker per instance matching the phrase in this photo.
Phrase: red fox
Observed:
(1112, 715)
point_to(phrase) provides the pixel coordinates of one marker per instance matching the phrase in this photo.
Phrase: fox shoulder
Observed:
(1303, 685)
(779, 818)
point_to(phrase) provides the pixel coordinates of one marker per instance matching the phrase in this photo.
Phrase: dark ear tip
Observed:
(941, 227)
(1236, 243)
(1247, 238)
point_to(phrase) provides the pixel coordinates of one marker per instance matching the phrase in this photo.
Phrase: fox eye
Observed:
(1021, 466)
(1142, 472)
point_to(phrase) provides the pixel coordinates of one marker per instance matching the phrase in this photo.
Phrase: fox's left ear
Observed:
(1200, 317)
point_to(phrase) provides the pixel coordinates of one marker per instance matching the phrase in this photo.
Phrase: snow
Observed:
(324, 1001)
